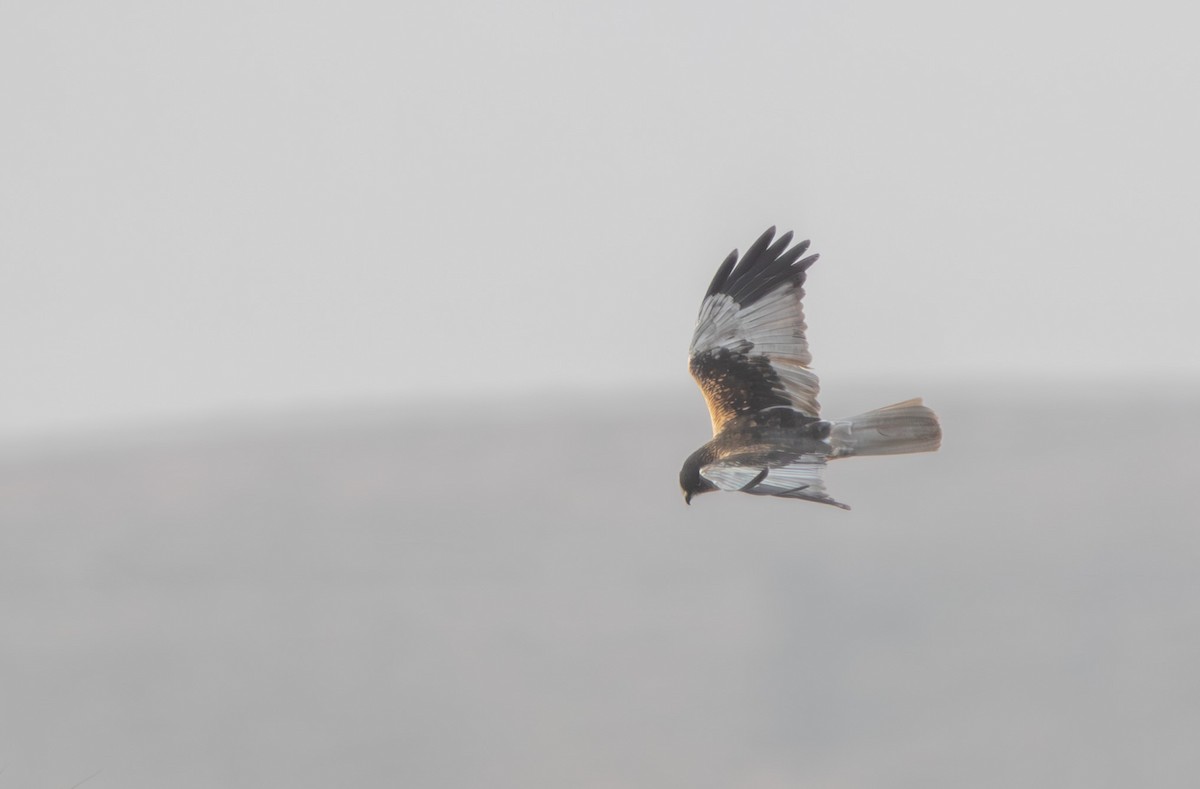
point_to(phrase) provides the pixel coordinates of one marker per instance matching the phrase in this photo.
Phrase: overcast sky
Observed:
(245, 205)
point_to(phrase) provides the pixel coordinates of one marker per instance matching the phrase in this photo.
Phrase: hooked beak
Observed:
(687, 498)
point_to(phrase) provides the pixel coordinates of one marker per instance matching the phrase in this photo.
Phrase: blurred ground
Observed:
(441, 600)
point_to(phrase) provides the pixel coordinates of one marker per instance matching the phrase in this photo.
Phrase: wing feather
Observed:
(759, 474)
(749, 350)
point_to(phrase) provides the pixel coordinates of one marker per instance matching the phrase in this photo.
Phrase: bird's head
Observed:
(689, 476)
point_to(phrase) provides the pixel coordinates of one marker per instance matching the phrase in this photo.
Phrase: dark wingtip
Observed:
(764, 240)
(718, 280)
(764, 268)
(781, 243)
(755, 258)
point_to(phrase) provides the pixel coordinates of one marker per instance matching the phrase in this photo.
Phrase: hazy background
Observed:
(343, 396)
(210, 206)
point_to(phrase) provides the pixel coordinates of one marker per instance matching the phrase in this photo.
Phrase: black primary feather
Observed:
(718, 281)
(764, 268)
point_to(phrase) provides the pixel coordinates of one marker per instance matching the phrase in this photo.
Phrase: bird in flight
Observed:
(750, 357)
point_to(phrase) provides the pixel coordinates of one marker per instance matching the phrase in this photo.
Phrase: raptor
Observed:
(750, 356)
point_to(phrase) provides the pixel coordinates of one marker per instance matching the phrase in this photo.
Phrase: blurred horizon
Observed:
(842, 398)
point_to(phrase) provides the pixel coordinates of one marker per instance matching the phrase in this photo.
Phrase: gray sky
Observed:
(215, 206)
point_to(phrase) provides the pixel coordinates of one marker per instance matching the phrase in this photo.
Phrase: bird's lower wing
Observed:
(798, 477)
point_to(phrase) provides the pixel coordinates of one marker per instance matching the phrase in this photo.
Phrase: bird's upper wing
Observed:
(768, 474)
(749, 350)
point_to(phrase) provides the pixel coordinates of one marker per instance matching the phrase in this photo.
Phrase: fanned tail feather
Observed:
(897, 429)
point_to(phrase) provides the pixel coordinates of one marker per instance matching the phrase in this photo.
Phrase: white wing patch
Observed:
(799, 479)
(718, 325)
(772, 327)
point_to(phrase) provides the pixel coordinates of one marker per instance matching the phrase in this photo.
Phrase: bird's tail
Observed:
(892, 430)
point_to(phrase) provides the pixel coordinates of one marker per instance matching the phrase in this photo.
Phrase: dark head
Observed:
(689, 476)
